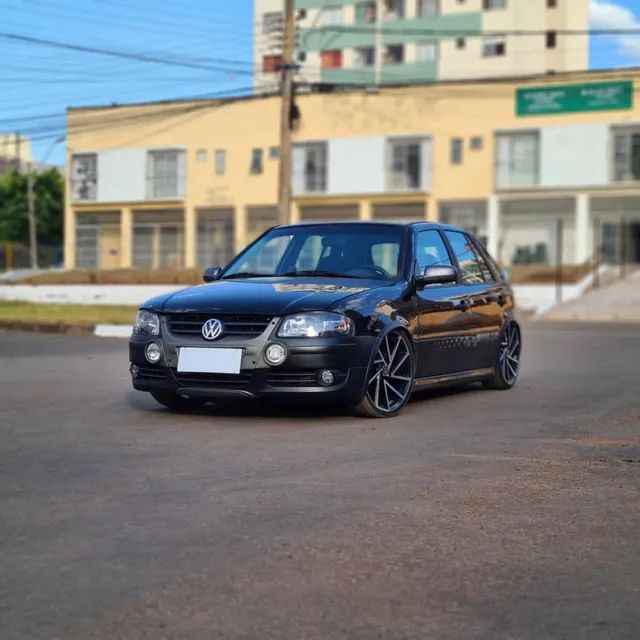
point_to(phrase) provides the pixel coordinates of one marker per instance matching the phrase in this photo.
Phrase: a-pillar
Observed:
(190, 225)
(493, 226)
(583, 233)
(126, 237)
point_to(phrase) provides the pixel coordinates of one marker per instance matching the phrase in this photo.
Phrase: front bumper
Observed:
(346, 357)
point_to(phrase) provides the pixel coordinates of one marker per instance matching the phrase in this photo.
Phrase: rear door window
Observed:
(465, 255)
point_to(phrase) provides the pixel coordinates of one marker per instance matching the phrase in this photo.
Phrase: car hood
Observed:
(257, 296)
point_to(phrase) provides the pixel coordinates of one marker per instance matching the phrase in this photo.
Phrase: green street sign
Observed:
(574, 98)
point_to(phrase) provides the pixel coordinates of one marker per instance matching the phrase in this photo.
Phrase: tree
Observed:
(48, 189)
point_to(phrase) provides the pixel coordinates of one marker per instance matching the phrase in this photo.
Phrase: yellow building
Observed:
(188, 183)
(14, 150)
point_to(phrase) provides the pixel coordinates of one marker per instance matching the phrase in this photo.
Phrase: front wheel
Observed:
(176, 402)
(507, 366)
(389, 378)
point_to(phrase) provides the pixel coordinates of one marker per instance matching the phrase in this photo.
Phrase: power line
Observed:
(472, 32)
(124, 54)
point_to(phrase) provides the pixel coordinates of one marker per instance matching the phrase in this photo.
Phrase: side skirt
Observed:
(463, 376)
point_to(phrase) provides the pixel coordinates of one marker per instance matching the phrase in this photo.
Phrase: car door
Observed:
(443, 316)
(486, 299)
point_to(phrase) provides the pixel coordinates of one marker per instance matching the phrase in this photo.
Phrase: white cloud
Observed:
(610, 15)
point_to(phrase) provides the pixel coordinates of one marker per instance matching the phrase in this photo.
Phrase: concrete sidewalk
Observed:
(616, 302)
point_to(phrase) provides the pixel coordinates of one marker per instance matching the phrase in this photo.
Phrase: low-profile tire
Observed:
(507, 364)
(177, 403)
(389, 378)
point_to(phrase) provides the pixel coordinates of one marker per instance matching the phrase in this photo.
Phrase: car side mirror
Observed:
(437, 274)
(211, 274)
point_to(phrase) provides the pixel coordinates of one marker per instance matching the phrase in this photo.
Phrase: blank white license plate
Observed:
(211, 360)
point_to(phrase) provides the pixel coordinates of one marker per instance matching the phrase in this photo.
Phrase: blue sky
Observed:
(216, 35)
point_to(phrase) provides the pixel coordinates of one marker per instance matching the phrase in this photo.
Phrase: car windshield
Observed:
(347, 251)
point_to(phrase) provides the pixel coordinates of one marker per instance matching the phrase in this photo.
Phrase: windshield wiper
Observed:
(247, 274)
(323, 274)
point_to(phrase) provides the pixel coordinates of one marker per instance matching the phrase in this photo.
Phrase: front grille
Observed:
(146, 373)
(213, 380)
(190, 324)
(300, 378)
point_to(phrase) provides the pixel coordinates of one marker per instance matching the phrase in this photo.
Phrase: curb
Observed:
(112, 331)
(100, 330)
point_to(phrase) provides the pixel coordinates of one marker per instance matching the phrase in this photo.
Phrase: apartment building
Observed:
(15, 151)
(187, 184)
(376, 42)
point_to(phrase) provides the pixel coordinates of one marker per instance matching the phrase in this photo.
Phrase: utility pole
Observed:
(18, 162)
(288, 69)
(559, 258)
(33, 230)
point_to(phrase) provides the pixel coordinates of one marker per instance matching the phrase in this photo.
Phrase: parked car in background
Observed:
(359, 313)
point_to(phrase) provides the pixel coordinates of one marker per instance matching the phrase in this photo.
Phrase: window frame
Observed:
(390, 173)
(369, 7)
(401, 48)
(420, 13)
(91, 177)
(495, 5)
(469, 239)
(358, 51)
(515, 133)
(494, 47)
(331, 59)
(435, 48)
(220, 161)
(334, 10)
(272, 22)
(456, 150)
(256, 166)
(154, 179)
(320, 150)
(445, 244)
(628, 131)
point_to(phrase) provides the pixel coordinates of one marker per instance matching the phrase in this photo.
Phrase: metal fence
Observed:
(15, 255)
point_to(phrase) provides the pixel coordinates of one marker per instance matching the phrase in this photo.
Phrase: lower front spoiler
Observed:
(349, 386)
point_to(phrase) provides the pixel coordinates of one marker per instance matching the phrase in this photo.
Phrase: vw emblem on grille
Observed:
(212, 329)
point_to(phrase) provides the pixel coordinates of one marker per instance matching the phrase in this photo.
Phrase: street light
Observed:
(33, 228)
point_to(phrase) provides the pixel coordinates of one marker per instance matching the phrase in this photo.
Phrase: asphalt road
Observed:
(476, 514)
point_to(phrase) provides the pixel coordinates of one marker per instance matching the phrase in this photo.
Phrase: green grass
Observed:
(74, 314)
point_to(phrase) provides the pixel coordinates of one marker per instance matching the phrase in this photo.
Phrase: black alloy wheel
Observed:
(507, 365)
(390, 378)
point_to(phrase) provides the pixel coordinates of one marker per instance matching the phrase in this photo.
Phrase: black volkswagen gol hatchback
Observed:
(362, 313)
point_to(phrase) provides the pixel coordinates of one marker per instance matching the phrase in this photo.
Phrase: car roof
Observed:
(422, 224)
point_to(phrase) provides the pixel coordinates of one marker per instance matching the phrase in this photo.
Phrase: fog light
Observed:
(275, 354)
(327, 378)
(134, 370)
(153, 352)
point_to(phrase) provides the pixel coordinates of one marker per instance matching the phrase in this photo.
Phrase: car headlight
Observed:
(147, 323)
(312, 325)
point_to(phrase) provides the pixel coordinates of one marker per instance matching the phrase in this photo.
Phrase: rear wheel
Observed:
(507, 365)
(389, 379)
(176, 402)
